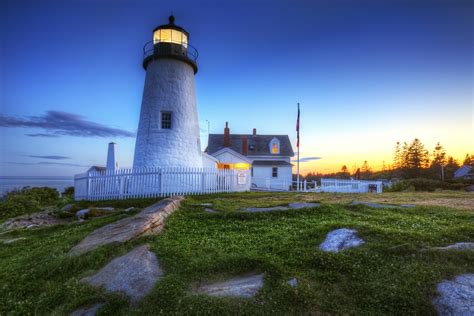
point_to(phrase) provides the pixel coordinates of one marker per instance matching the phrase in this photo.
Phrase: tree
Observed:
(417, 158)
(357, 174)
(438, 162)
(366, 171)
(397, 157)
(469, 160)
(344, 169)
(439, 156)
(451, 166)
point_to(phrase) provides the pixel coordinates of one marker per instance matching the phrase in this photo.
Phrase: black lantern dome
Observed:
(170, 41)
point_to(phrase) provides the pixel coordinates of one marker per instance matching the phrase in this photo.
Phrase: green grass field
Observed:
(393, 273)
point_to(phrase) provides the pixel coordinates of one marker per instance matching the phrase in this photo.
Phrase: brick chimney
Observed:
(226, 135)
(245, 145)
(254, 132)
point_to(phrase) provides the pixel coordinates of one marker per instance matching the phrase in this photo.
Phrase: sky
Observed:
(366, 73)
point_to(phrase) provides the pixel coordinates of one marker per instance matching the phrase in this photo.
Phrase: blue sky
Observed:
(367, 74)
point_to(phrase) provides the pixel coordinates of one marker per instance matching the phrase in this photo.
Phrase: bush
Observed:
(27, 200)
(424, 185)
(69, 192)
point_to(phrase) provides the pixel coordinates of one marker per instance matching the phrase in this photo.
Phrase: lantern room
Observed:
(170, 41)
(170, 33)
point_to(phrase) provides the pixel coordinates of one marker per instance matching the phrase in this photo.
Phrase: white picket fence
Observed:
(158, 182)
(350, 186)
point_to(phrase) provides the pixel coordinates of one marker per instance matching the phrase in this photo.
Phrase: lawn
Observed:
(395, 272)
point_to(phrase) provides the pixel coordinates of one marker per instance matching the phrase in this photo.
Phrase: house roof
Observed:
(270, 163)
(259, 143)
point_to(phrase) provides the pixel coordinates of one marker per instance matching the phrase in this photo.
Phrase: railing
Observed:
(187, 50)
(157, 182)
(350, 186)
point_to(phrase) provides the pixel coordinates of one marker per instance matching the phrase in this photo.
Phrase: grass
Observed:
(392, 273)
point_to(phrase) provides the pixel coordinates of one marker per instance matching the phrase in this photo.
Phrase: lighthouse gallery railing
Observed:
(157, 182)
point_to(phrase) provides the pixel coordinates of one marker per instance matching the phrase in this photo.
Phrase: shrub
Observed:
(68, 192)
(420, 184)
(27, 200)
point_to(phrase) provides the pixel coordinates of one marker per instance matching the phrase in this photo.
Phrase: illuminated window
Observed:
(170, 36)
(275, 172)
(166, 120)
(274, 146)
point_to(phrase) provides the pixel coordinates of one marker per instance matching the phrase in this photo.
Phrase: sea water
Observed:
(9, 183)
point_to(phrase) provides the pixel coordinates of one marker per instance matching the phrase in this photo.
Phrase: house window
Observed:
(251, 172)
(275, 172)
(166, 120)
(274, 146)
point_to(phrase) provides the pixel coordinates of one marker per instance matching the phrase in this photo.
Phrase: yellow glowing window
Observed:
(170, 36)
(240, 165)
(275, 148)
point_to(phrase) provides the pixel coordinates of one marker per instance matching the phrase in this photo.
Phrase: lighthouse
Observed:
(168, 130)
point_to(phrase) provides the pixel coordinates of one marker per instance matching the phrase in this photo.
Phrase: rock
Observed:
(133, 274)
(210, 210)
(341, 239)
(129, 209)
(243, 286)
(203, 204)
(267, 209)
(82, 213)
(40, 219)
(377, 205)
(458, 246)
(292, 282)
(148, 221)
(294, 205)
(298, 205)
(67, 208)
(87, 311)
(10, 241)
(456, 297)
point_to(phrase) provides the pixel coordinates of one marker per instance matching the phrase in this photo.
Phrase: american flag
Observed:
(298, 128)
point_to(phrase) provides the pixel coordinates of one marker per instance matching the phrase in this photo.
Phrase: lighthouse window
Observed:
(170, 36)
(166, 120)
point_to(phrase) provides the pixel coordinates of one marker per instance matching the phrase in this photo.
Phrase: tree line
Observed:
(410, 160)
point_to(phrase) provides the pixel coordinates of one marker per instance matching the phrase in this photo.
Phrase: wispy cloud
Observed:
(50, 157)
(45, 163)
(58, 123)
(42, 135)
(306, 159)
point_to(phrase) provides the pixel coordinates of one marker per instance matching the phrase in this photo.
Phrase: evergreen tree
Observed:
(397, 156)
(417, 158)
(469, 160)
(439, 156)
(366, 171)
(451, 166)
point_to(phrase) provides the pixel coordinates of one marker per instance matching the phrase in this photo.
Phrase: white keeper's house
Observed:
(267, 156)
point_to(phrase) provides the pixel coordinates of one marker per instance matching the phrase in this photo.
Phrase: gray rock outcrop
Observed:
(148, 221)
(340, 239)
(35, 220)
(294, 206)
(87, 311)
(458, 246)
(456, 297)
(243, 286)
(377, 205)
(133, 274)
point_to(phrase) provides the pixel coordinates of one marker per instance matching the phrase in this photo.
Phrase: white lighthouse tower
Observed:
(168, 131)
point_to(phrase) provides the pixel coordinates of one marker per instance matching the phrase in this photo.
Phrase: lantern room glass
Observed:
(170, 36)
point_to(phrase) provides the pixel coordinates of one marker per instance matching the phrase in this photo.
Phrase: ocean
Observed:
(11, 183)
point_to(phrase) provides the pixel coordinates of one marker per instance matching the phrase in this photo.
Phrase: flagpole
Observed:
(298, 143)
